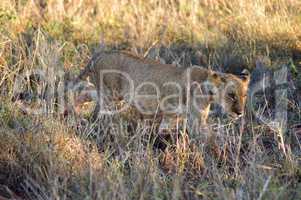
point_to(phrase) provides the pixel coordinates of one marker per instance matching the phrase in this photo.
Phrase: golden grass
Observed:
(46, 157)
(142, 23)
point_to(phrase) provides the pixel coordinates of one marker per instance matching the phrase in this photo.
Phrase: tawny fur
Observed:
(141, 70)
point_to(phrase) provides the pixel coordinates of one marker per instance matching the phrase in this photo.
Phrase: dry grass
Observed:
(47, 157)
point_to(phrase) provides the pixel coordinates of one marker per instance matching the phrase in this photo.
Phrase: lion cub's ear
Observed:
(245, 75)
(217, 77)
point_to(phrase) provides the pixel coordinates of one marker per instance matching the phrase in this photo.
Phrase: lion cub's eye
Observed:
(232, 96)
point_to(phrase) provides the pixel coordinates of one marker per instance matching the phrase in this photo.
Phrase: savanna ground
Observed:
(52, 156)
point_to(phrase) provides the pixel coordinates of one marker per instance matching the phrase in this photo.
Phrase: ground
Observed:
(55, 155)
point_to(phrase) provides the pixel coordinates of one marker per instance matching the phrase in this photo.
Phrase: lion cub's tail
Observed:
(85, 72)
(90, 66)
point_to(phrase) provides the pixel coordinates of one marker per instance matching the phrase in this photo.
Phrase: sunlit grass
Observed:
(52, 157)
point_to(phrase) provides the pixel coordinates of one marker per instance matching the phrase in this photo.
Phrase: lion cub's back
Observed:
(140, 70)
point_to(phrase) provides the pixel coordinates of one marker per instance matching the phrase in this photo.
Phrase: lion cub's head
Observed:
(232, 91)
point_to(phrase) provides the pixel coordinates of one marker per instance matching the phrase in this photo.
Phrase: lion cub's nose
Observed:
(239, 113)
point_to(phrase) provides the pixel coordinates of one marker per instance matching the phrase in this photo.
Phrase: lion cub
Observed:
(156, 89)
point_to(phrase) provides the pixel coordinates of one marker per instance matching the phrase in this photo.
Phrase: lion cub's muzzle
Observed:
(236, 114)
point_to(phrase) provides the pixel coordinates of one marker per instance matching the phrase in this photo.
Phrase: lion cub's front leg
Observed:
(203, 116)
(197, 120)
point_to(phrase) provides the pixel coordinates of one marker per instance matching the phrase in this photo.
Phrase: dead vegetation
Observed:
(51, 156)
